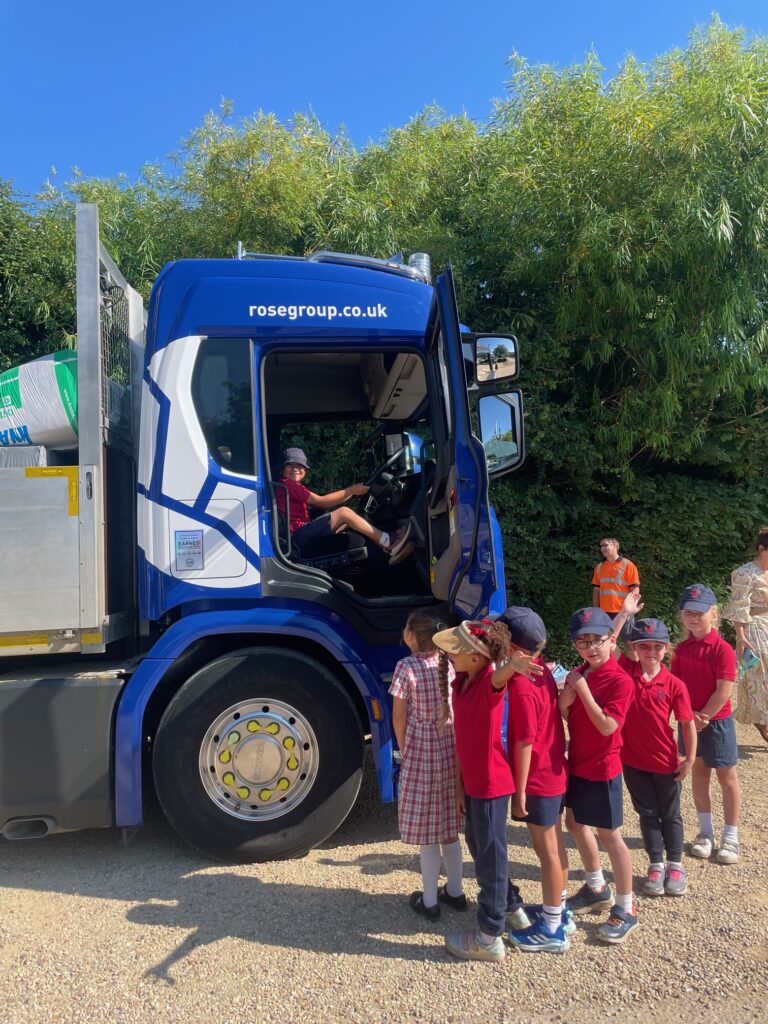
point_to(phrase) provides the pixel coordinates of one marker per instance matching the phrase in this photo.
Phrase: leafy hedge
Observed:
(678, 530)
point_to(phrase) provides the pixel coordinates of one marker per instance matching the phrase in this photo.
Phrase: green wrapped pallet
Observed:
(38, 403)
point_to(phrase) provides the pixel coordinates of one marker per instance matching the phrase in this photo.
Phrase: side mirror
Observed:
(496, 358)
(501, 432)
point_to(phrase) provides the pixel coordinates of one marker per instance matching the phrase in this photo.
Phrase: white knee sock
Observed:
(705, 822)
(452, 860)
(430, 872)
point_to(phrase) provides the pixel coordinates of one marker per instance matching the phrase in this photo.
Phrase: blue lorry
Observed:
(191, 643)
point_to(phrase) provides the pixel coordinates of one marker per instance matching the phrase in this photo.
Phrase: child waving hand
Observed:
(483, 777)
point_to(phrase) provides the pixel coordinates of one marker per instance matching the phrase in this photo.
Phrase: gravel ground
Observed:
(93, 931)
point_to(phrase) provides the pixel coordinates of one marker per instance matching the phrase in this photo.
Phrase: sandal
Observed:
(416, 902)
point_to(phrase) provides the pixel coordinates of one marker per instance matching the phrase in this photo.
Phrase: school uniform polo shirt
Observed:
(534, 718)
(477, 716)
(700, 663)
(648, 742)
(615, 580)
(298, 495)
(590, 754)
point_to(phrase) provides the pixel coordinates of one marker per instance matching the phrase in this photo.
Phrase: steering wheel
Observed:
(377, 490)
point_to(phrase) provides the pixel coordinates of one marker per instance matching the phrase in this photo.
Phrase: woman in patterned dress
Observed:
(427, 813)
(748, 611)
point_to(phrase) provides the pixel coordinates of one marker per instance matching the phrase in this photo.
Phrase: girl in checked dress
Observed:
(427, 812)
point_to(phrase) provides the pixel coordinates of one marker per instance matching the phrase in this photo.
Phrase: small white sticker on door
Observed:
(189, 550)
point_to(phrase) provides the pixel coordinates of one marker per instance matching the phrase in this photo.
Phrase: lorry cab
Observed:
(360, 363)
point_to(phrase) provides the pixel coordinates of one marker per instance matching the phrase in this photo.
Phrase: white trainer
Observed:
(728, 852)
(703, 845)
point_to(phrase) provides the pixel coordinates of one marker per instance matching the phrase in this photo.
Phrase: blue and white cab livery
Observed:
(270, 662)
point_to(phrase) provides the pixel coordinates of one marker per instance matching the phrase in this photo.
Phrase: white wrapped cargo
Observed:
(25, 456)
(38, 403)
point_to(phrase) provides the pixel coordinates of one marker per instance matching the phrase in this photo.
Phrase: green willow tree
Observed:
(619, 228)
(629, 252)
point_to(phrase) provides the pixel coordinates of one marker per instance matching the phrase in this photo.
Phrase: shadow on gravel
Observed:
(377, 863)
(170, 886)
(385, 863)
(747, 752)
(287, 916)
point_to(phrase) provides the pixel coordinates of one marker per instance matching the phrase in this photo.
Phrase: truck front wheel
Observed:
(258, 756)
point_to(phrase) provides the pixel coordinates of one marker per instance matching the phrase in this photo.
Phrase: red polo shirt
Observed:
(590, 754)
(297, 500)
(700, 663)
(648, 740)
(477, 713)
(535, 719)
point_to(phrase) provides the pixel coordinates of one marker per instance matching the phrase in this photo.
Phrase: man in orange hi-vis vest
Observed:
(613, 578)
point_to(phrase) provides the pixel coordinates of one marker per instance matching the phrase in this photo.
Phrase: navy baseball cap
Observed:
(649, 629)
(526, 628)
(295, 455)
(590, 620)
(697, 598)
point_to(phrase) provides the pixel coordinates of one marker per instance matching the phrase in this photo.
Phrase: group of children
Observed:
(448, 708)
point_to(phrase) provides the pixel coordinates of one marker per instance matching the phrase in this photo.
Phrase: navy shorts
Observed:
(597, 804)
(542, 810)
(315, 529)
(716, 743)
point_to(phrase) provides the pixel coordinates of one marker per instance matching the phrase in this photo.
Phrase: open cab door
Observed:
(462, 564)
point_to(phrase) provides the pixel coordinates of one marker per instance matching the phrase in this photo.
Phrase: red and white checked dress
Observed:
(426, 810)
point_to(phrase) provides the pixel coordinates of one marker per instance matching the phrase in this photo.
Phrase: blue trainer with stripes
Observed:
(537, 939)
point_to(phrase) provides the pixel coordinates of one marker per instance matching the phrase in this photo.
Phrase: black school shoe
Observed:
(454, 902)
(416, 902)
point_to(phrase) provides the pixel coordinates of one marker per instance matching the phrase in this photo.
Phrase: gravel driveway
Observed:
(93, 931)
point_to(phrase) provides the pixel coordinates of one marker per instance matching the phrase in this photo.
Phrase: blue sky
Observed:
(110, 87)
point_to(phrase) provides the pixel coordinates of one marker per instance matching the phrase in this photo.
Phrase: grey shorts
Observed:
(716, 743)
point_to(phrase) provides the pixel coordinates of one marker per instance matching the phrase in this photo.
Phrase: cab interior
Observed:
(360, 416)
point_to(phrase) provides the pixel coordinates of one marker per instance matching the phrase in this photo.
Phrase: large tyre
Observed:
(258, 756)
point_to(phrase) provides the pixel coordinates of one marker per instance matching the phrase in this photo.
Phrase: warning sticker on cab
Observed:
(189, 550)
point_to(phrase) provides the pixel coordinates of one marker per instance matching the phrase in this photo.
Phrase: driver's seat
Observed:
(334, 552)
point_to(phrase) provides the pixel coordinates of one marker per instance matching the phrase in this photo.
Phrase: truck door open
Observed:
(460, 546)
